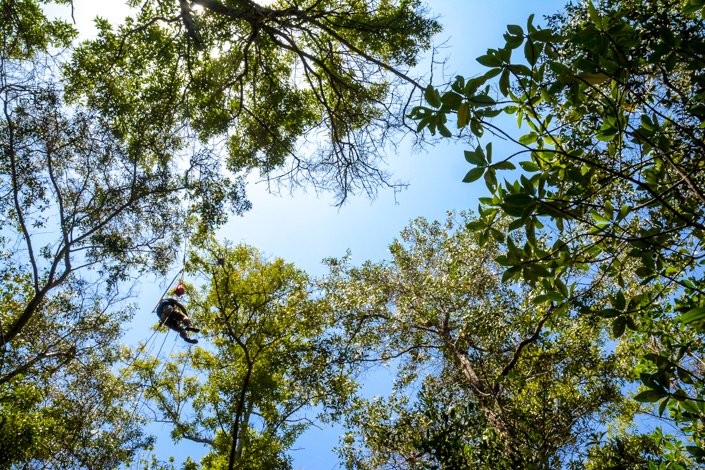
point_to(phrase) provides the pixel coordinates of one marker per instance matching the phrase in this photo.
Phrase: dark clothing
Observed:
(172, 314)
(171, 310)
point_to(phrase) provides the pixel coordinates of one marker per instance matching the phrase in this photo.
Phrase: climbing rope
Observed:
(144, 347)
(147, 347)
(139, 402)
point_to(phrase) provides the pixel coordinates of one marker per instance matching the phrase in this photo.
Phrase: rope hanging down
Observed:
(170, 311)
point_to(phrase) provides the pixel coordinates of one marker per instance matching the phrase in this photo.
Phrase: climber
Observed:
(172, 314)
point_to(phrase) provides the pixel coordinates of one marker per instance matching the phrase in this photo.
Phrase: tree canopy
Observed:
(611, 175)
(304, 92)
(266, 375)
(115, 150)
(537, 334)
(500, 382)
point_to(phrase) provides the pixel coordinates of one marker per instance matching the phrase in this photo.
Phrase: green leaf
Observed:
(498, 235)
(689, 406)
(644, 271)
(476, 127)
(679, 395)
(631, 324)
(530, 23)
(515, 30)
(506, 165)
(649, 396)
(693, 315)
(432, 96)
(620, 301)
(516, 223)
(607, 135)
(609, 313)
(544, 35)
(594, 15)
(597, 78)
(451, 100)
(647, 123)
(476, 157)
(623, 212)
(476, 225)
(696, 451)
(445, 132)
(528, 139)
(459, 84)
(482, 100)
(489, 60)
(540, 271)
(531, 52)
(618, 326)
(600, 219)
(662, 407)
(529, 166)
(491, 180)
(513, 41)
(540, 299)
(510, 273)
(519, 69)
(463, 115)
(504, 82)
(491, 73)
(555, 296)
(473, 174)
(517, 204)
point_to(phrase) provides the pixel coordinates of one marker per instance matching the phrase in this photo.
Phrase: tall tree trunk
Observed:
(486, 395)
(236, 449)
(243, 429)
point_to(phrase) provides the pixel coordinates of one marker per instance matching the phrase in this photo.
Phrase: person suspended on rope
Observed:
(173, 314)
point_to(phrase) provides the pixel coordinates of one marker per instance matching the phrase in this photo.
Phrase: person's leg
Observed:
(172, 324)
(185, 337)
(180, 322)
(186, 322)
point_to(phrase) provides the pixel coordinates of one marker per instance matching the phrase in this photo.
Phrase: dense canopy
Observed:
(559, 327)
(303, 92)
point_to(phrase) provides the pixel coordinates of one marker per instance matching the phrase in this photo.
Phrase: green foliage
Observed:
(19, 423)
(626, 452)
(59, 402)
(252, 392)
(82, 207)
(504, 382)
(26, 31)
(144, 140)
(265, 79)
(614, 168)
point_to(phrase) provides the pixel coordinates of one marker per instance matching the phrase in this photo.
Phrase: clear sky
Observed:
(305, 227)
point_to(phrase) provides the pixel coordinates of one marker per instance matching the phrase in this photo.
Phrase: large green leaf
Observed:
(693, 315)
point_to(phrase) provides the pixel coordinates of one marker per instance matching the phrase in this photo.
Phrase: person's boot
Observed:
(183, 334)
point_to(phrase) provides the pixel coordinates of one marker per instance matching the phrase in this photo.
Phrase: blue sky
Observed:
(305, 227)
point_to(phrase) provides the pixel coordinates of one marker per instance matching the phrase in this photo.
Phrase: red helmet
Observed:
(179, 289)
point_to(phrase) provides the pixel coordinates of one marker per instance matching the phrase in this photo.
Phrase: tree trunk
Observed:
(236, 449)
